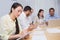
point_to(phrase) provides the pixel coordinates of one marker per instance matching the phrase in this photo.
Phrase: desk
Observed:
(43, 34)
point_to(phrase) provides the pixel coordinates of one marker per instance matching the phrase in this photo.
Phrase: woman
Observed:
(38, 33)
(10, 29)
(40, 17)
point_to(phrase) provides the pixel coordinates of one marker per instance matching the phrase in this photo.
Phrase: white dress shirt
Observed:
(24, 21)
(7, 27)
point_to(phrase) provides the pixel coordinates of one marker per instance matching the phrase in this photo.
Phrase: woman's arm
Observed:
(5, 32)
(23, 33)
(12, 37)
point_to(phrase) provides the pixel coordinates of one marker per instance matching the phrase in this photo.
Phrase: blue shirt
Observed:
(49, 17)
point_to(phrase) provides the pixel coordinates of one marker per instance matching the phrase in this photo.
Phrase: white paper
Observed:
(53, 30)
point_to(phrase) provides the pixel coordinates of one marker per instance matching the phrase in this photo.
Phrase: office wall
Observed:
(35, 4)
(40, 4)
(5, 6)
(58, 6)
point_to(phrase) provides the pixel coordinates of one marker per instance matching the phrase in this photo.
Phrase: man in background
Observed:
(52, 15)
(24, 18)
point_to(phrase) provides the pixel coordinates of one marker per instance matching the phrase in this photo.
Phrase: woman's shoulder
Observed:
(4, 18)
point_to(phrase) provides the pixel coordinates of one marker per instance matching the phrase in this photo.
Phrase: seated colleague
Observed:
(40, 17)
(39, 20)
(25, 20)
(51, 15)
(24, 17)
(10, 28)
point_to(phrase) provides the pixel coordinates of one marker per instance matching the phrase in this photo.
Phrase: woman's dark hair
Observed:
(39, 13)
(26, 8)
(15, 5)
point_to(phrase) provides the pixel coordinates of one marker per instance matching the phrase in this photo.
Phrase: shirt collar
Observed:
(51, 16)
(11, 19)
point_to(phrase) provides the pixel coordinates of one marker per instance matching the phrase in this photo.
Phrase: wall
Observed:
(35, 4)
(40, 4)
(58, 6)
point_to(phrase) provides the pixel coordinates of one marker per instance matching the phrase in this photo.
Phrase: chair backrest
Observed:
(54, 23)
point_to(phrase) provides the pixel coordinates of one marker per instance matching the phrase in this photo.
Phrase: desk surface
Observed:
(41, 33)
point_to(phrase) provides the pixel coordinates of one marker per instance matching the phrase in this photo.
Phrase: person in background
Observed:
(38, 33)
(52, 15)
(40, 17)
(10, 28)
(24, 17)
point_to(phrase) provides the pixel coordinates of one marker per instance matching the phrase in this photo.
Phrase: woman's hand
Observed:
(26, 32)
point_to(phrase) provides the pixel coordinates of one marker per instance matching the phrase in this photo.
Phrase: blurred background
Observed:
(5, 6)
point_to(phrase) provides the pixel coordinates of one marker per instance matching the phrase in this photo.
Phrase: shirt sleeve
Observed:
(23, 23)
(58, 17)
(46, 18)
(4, 31)
(35, 20)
